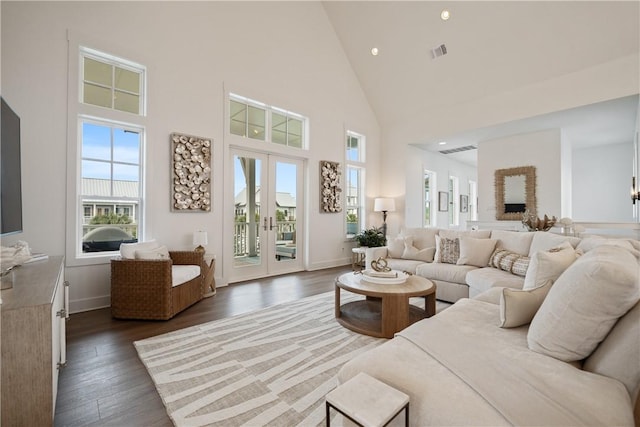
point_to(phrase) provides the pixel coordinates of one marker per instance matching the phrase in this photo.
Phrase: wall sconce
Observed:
(384, 205)
(635, 193)
(200, 239)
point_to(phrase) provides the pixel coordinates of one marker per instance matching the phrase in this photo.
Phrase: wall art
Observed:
(191, 173)
(330, 190)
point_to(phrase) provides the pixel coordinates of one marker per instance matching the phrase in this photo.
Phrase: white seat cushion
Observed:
(183, 273)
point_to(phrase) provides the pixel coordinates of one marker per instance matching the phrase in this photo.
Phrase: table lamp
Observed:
(200, 239)
(384, 205)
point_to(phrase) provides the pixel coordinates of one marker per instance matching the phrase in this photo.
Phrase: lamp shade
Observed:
(200, 238)
(384, 204)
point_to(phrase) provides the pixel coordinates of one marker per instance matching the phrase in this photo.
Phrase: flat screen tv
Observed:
(10, 173)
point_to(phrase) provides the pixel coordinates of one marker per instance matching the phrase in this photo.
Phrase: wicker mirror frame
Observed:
(529, 173)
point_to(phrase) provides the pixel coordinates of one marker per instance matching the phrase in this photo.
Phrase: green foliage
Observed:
(372, 237)
(351, 217)
(111, 218)
(280, 215)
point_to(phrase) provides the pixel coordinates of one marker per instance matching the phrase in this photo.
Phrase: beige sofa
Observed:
(571, 357)
(415, 250)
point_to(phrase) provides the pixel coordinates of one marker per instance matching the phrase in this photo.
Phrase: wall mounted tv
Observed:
(10, 173)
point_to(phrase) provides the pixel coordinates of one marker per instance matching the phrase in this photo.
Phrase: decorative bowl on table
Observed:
(392, 277)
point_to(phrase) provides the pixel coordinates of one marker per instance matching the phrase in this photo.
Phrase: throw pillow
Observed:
(548, 265)
(475, 251)
(584, 304)
(517, 307)
(411, 252)
(128, 250)
(395, 247)
(161, 252)
(447, 250)
(511, 262)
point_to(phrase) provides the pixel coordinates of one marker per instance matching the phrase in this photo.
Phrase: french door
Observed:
(267, 217)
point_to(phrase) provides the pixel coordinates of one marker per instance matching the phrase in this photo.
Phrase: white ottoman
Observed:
(367, 401)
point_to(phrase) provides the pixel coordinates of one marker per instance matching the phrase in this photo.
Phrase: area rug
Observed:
(269, 367)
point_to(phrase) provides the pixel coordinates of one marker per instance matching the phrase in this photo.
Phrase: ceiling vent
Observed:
(459, 149)
(438, 51)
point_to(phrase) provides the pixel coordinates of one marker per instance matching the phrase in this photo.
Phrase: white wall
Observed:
(282, 53)
(598, 196)
(539, 149)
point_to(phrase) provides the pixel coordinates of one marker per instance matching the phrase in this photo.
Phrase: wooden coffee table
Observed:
(386, 310)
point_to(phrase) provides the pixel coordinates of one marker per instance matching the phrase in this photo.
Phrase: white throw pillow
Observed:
(584, 303)
(161, 252)
(518, 307)
(548, 265)
(411, 252)
(475, 251)
(395, 247)
(128, 250)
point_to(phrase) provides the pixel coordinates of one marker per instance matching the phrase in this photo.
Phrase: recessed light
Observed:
(374, 51)
(445, 15)
(442, 143)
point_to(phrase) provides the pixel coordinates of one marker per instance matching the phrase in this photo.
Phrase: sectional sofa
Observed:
(464, 264)
(561, 351)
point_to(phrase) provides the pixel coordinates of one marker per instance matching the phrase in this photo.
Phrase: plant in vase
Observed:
(372, 237)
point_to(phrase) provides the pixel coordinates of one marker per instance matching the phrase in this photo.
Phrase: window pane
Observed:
(97, 72)
(126, 102)
(96, 142)
(352, 148)
(126, 146)
(96, 95)
(279, 129)
(256, 123)
(97, 170)
(295, 133)
(238, 117)
(127, 80)
(125, 173)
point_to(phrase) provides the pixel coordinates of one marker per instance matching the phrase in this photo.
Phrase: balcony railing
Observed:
(284, 232)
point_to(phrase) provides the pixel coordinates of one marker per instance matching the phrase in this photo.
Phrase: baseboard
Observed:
(330, 264)
(88, 304)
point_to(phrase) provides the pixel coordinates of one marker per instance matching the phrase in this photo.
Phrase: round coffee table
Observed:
(386, 310)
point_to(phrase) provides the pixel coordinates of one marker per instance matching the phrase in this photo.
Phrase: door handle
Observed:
(270, 223)
(265, 223)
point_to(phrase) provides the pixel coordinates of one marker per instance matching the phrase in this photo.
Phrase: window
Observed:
(107, 162)
(111, 185)
(255, 120)
(473, 200)
(354, 183)
(111, 83)
(429, 216)
(454, 216)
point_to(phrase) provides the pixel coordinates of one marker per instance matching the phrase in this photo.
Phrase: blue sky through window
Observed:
(102, 145)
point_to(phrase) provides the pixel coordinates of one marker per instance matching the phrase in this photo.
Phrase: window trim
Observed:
(433, 191)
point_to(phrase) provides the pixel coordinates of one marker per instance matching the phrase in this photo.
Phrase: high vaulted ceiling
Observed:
(492, 47)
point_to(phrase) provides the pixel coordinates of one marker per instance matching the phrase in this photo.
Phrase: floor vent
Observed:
(459, 149)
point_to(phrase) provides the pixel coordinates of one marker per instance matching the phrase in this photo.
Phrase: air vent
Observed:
(459, 149)
(438, 51)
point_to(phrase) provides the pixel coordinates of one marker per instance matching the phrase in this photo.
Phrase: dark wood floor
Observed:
(105, 383)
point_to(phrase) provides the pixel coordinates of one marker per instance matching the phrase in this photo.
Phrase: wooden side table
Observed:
(209, 282)
(367, 401)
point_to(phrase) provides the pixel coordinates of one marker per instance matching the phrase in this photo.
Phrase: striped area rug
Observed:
(269, 367)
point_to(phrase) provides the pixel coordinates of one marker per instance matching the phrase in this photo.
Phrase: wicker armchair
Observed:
(142, 289)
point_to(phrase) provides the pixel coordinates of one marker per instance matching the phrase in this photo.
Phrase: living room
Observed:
(503, 64)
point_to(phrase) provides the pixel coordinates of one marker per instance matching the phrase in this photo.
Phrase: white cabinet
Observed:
(33, 345)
